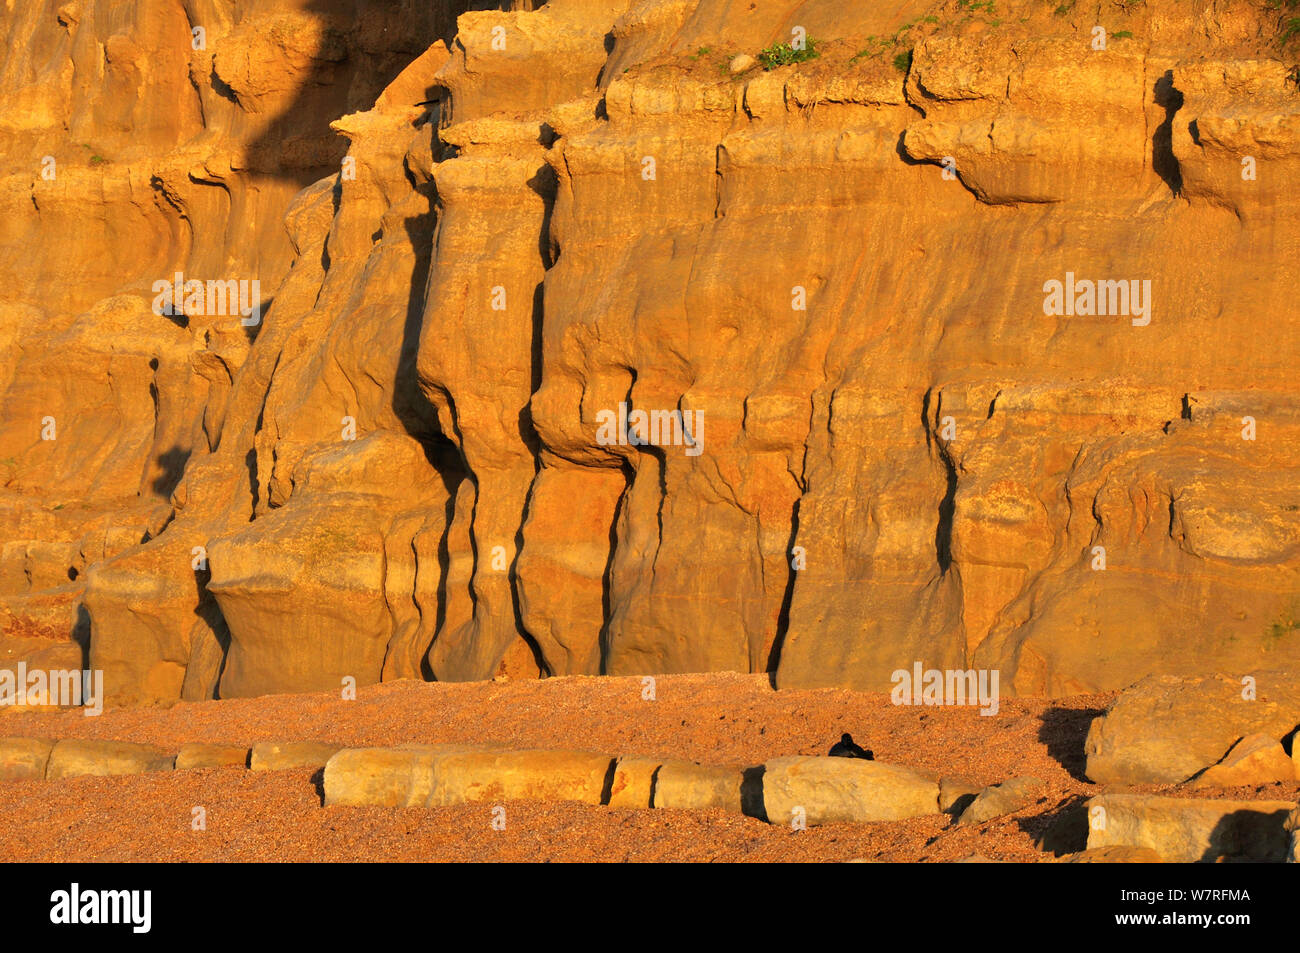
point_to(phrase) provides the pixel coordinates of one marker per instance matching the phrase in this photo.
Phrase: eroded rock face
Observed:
(486, 233)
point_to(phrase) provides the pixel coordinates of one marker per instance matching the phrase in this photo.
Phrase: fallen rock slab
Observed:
(466, 776)
(1111, 855)
(633, 784)
(698, 787)
(1255, 759)
(1190, 830)
(830, 790)
(280, 755)
(1005, 798)
(210, 756)
(1166, 728)
(384, 777)
(73, 758)
(24, 759)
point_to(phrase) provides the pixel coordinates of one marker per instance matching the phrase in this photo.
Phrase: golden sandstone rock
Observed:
(633, 784)
(477, 232)
(800, 790)
(1166, 729)
(1190, 830)
(74, 757)
(698, 787)
(389, 777)
(1255, 759)
(805, 791)
(467, 775)
(211, 756)
(24, 759)
(277, 756)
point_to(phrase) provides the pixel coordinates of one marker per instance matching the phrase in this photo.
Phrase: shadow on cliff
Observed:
(358, 55)
(787, 598)
(297, 144)
(172, 465)
(947, 505)
(1163, 160)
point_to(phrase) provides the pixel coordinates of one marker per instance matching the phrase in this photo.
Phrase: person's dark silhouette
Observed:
(845, 748)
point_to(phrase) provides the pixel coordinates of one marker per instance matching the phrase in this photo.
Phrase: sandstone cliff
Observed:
(481, 228)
